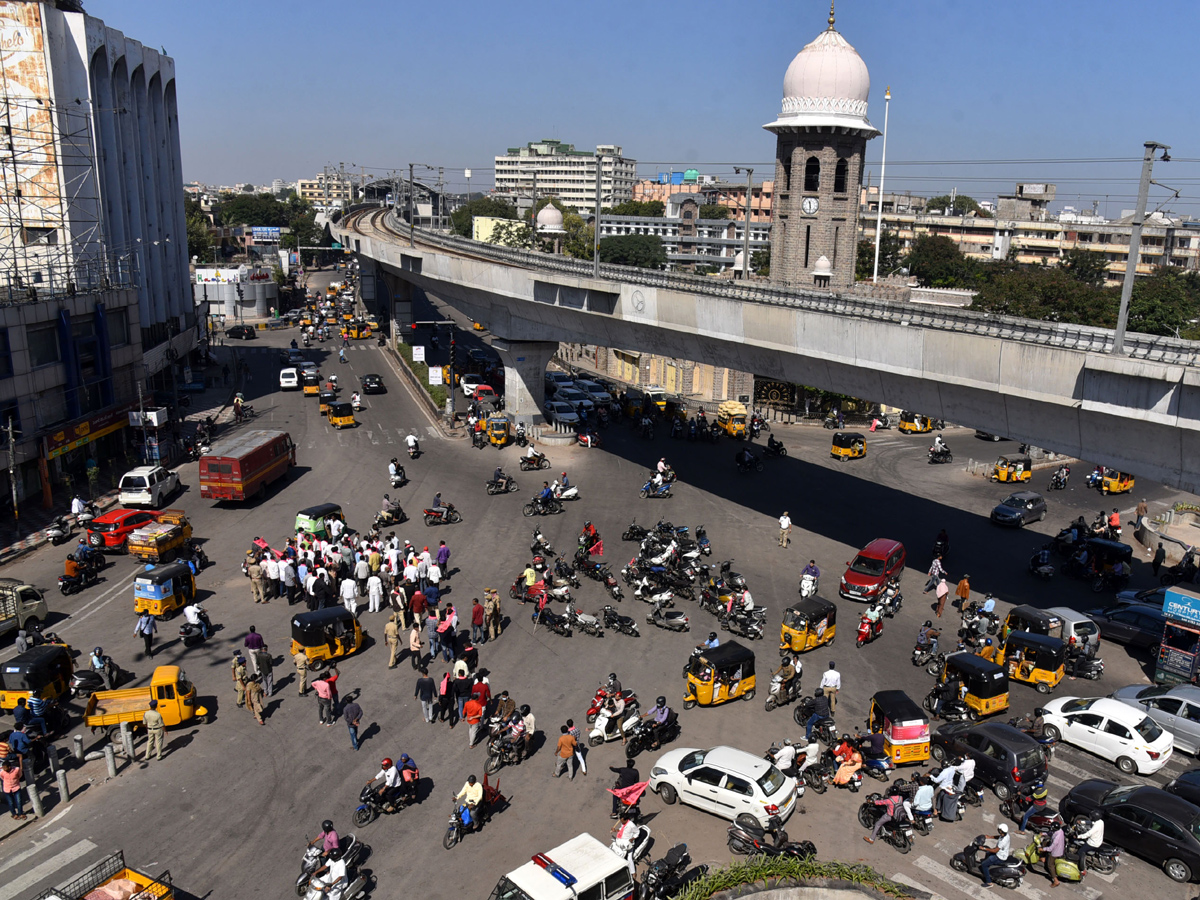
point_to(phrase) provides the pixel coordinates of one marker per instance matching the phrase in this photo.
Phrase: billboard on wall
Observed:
(28, 113)
(265, 234)
(220, 276)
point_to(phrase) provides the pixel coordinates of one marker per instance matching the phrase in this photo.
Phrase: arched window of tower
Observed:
(812, 174)
(839, 177)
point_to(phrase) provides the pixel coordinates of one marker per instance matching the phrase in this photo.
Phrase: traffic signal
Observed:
(413, 326)
(453, 353)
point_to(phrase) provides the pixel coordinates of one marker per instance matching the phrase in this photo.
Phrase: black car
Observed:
(1005, 758)
(1020, 509)
(1186, 786)
(242, 332)
(1136, 624)
(372, 384)
(1156, 825)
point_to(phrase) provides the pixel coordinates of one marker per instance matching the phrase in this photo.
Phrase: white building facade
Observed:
(566, 173)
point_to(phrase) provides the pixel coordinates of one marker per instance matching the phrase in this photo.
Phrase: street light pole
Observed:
(887, 102)
(410, 203)
(596, 223)
(1135, 242)
(746, 236)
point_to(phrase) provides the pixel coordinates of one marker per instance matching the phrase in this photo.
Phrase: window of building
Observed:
(51, 407)
(812, 174)
(839, 177)
(9, 409)
(787, 171)
(46, 237)
(807, 239)
(43, 345)
(118, 327)
(6, 368)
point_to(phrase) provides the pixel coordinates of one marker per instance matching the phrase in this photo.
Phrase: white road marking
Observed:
(957, 880)
(76, 619)
(49, 867)
(1059, 782)
(51, 838)
(901, 878)
(1073, 770)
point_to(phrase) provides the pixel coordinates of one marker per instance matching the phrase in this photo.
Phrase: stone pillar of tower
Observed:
(822, 133)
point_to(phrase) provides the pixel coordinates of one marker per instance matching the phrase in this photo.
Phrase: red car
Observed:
(875, 564)
(109, 531)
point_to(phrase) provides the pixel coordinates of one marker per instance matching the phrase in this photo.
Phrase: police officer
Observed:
(240, 674)
(155, 726)
(391, 636)
(300, 658)
(254, 698)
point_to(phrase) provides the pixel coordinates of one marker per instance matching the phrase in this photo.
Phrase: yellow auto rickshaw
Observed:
(326, 635)
(1031, 619)
(45, 670)
(359, 330)
(731, 418)
(478, 326)
(164, 590)
(325, 400)
(1115, 482)
(985, 684)
(719, 675)
(912, 423)
(848, 445)
(807, 624)
(905, 727)
(498, 429)
(311, 383)
(1013, 469)
(1034, 659)
(341, 415)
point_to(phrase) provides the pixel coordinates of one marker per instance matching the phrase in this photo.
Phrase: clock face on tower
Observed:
(810, 205)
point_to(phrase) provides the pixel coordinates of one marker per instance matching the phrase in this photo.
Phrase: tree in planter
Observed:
(713, 211)
(644, 251)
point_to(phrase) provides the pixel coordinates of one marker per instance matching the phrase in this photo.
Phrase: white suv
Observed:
(595, 392)
(147, 486)
(726, 781)
(289, 379)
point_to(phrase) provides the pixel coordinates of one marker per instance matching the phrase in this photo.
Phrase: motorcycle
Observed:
(540, 546)
(663, 491)
(561, 493)
(552, 620)
(599, 572)
(566, 573)
(830, 423)
(941, 547)
(778, 696)
(529, 464)
(521, 437)
(614, 621)
(393, 516)
(1019, 801)
(891, 599)
(940, 455)
(868, 630)
(501, 752)
(897, 832)
(747, 837)
(602, 694)
(774, 451)
(746, 465)
(793, 759)
(588, 439)
(669, 876)
(608, 729)
(85, 682)
(539, 507)
(495, 487)
(1109, 581)
(586, 623)
(461, 822)
(645, 735)
(1026, 724)
(808, 585)
(825, 730)
(634, 532)
(439, 517)
(703, 544)
(1103, 859)
(353, 852)
(671, 620)
(746, 625)
(1043, 570)
(59, 530)
(191, 635)
(1007, 874)
(70, 584)
(922, 653)
(953, 710)
(371, 805)
(1058, 481)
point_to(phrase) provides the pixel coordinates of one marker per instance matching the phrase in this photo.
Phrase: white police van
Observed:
(581, 869)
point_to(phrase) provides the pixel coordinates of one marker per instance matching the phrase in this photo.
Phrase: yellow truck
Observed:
(163, 540)
(112, 878)
(176, 698)
(732, 418)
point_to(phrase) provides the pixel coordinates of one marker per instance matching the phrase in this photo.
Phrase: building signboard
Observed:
(221, 276)
(265, 234)
(76, 435)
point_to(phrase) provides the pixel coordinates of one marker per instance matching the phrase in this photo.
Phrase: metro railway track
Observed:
(377, 222)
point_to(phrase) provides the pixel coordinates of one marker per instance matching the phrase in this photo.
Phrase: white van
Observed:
(147, 486)
(581, 869)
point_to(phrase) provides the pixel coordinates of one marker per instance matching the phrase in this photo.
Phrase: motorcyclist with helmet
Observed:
(389, 791)
(533, 455)
(71, 568)
(710, 643)
(773, 445)
(328, 838)
(788, 669)
(658, 716)
(820, 712)
(928, 636)
(988, 651)
(939, 445)
(97, 664)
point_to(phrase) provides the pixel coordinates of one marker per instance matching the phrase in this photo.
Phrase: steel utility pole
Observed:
(1135, 242)
(596, 224)
(533, 215)
(142, 419)
(12, 467)
(410, 204)
(746, 236)
(887, 102)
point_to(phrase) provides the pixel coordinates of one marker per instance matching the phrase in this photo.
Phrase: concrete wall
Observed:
(1140, 416)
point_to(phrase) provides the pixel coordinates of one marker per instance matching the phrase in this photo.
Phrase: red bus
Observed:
(243, 465)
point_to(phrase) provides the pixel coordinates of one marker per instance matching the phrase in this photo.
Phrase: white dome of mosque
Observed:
(549, 218)
(826, 85)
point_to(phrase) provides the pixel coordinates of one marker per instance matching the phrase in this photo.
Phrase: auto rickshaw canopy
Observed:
(166, 581)
(904, 726)
(727, 657)
(1115, 482)
(341, 413)
(1012, 468)
(983, 679)
(326, 398)
(808, 623)
(310, 379)
(1031, 619)
(498, 429)
(311, 629)
(848, 445)
(312, 518)
(914, 422)
(1043, 651)
(1106, 553)
(37, 669)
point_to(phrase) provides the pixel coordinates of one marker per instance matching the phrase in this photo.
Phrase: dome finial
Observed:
(831, 15)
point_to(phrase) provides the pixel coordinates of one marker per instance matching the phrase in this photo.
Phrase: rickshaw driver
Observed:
(1080, 559)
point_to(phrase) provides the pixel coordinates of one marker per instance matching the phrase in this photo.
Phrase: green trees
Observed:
(713, 211)
(960, 206)
(891, 256)
(760, 262)
(935, 261)
(645, 251)
(460, 219)
(649, 209)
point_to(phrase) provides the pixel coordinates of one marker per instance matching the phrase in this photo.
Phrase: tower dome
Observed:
(825, 86)
(549, 219)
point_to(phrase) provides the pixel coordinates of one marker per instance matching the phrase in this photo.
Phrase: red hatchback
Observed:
(109, 531)
(875, 564)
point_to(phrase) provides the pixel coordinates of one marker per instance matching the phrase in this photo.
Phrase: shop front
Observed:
(69, 453)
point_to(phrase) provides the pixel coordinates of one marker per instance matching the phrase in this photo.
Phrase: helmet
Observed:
(928, 623)
(386, 764)
(525, 710)
(1040, 711)
(788, 661)
(335, 854)
(386, 497)
(1002, 828)
(327, 825)
(988, 642)
(661, 701)
(612, 676)
(845, 735)
(99, 651)
(394, 459)
(564, 475)
(712, 635)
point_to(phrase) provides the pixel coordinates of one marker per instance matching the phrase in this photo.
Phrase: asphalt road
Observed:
(228, 810)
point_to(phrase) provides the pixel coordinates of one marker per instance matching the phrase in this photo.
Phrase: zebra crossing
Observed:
(42, 861)
(928, 867)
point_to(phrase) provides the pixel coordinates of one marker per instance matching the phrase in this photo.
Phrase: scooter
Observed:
(606, 729)
(635, 848)
(59, 530)
(399, 479)
(571, 493)
(356, 402)
(85, 682)
(662, 492)
(774, 451)
(353, 852)
(743, 624)
(88, 513)
(891, 599)
(1008, 874)
(191, 635)
(703, 544)
(868, 630)
(414, 450)
(808, 586)
(602, 694)
(750, 838)
(671, 620)
(653, 593)
(394, 516)
(953, 710)
(614, 621)
(540, 546)
(777, 695)
(897, 832)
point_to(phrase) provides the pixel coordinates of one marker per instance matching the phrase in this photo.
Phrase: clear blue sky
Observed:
(272, 89)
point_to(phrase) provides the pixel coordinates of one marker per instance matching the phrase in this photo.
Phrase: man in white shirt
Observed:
(998, 856)
(374, 593)
(785, 529)
(1091, 838)
(336, 527)
(965, 769)
(348, 591)
(191, 613)
(271, 567)
(432, 579)
(831, 680)
(77, 506)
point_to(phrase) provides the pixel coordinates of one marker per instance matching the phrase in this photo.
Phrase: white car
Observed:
(147, 486)
(596, 393)
(556, 380)
(577, 399)
(309, 366)
(560, 413)
(289, 380)
(468, 383)
(1111, 729)
(725, 781)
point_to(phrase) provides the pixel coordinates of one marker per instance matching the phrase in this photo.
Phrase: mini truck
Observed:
(112, 872)
(161, 541)
(21, 605)
(176, 698)
(581, 869)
